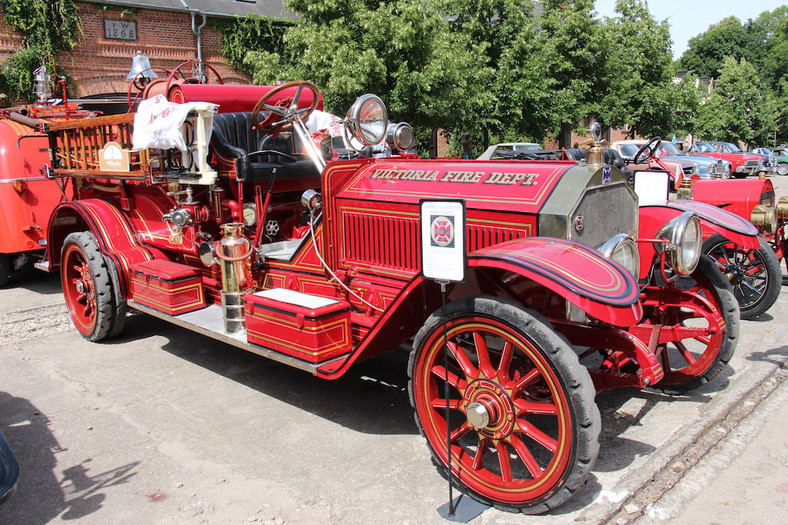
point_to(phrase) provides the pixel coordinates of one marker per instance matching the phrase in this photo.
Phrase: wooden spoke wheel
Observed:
(522, 421)
(700, 326)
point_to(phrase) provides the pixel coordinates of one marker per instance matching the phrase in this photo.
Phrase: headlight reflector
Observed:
(624, 250)
(366, 119)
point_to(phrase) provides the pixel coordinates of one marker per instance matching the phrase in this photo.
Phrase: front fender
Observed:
(729, 225)
(600, 287)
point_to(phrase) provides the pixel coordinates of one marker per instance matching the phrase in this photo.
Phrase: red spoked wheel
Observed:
(522, 421)
(87, 286)
(699, 327)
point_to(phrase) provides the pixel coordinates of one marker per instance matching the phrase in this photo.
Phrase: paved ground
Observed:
(165, 426)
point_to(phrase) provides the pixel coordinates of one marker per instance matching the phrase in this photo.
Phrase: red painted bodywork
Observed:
(736, 196)
(25, 210)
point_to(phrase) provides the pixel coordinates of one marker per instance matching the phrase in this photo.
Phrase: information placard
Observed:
(442, 226)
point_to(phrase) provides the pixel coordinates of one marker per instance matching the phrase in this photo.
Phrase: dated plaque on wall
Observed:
(120, 29)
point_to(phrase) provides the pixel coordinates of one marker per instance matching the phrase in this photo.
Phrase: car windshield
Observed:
(730, 147)
(526, 147)
(628, 150)
(703, 147)
(668, 148)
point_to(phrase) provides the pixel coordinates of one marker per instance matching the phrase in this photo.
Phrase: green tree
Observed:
(738, 108)
(49, 26)
(252, 32)
(706, 51)
(639, 90)
(516, 95)
(402, 51)
(573, 58)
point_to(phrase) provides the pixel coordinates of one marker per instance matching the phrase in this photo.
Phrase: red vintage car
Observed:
(754, 272)
(521, 288)
(743, 163)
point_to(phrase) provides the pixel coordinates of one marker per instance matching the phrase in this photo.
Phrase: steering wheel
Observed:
(192, 80)
(651, 146)
(139, 84)
(281, 115)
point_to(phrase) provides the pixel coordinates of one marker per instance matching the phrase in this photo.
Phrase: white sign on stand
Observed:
(443, 256)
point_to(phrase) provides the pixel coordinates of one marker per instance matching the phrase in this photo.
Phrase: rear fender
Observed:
(113, 231)
(600, 287)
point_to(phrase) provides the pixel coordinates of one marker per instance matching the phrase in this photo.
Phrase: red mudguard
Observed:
(729, 225)
(598, 286)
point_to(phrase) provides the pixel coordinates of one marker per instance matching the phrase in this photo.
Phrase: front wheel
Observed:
(87, 286)
(782, 168)
(522, 421)
(755, 275)
(697, 318)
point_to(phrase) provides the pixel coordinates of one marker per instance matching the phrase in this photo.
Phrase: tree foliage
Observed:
(519, 69)
(48, 26)
(738, 109)
(707, 51)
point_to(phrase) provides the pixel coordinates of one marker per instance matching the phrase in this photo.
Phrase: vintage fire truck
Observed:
(252, 238)
(27, 196)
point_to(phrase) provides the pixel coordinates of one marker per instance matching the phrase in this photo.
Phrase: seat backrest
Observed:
(237, 129)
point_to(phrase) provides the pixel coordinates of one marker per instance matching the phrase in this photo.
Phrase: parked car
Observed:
(744, 164)
(496, 273)
(780, 158)
(690, 165)
(753, 271)
(496, 150)
(9, 470)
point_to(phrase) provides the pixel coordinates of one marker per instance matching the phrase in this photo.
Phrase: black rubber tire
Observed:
(119, 302)
(740, 175)
(754, 294)
(573, 380)
(5, 269)
(97, 323)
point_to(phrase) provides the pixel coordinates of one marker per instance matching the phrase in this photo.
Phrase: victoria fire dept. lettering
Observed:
(523, 179)
(421, 175)
(462, 177)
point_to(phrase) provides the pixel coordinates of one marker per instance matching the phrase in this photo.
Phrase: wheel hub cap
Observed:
(80, 286)
(489, 409)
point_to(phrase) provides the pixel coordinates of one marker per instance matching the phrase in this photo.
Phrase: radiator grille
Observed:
(606, 211)
(394, 242)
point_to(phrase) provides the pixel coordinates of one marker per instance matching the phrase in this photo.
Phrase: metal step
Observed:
(208, 321)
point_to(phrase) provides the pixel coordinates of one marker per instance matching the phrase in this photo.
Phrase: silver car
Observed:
(704, 167)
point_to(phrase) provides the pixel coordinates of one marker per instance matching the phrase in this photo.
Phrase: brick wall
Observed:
(99, 65)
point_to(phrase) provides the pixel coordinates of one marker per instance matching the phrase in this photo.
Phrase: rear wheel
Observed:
(755, 275)
(87, 286)
(522, 421)
(5, 269)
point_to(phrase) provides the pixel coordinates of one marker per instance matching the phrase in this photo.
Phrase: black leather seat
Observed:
(257, 156)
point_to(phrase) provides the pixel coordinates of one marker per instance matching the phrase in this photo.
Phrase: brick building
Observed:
(168, 32)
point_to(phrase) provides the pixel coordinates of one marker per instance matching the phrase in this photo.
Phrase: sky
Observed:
(688, 18)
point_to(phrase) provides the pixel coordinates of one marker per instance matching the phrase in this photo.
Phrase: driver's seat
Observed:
(256, 155)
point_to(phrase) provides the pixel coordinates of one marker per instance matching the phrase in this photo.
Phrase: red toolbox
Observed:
(308, 327)
(167, 286)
